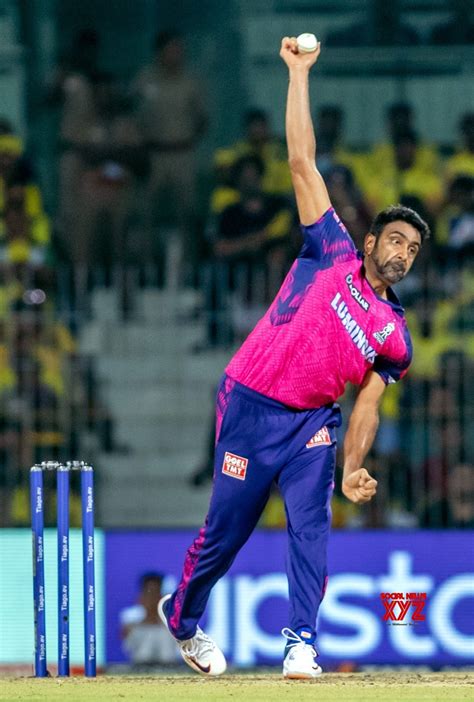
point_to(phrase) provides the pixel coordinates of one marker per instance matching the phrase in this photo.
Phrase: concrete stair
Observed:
(161, 396)
(163, 436)
(135, 501)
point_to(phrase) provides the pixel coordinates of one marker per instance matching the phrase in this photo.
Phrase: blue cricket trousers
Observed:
(260, 441)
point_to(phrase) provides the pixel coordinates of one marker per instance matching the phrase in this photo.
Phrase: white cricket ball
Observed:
(306, 43)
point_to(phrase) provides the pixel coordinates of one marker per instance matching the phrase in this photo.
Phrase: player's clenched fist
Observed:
(292, 57)
(359, 486)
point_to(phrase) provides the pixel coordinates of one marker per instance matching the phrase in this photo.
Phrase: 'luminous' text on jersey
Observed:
(353, 329)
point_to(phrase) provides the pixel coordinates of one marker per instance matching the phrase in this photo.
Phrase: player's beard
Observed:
(391, 271)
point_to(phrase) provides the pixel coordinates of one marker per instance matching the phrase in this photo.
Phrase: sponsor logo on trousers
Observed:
(321, 438)
(235, 466)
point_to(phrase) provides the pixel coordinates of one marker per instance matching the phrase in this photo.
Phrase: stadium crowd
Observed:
(129, 183)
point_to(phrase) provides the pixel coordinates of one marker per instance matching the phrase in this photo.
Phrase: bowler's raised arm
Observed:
(311, 193)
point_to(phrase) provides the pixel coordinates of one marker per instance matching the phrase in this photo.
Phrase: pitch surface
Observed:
(356, 687)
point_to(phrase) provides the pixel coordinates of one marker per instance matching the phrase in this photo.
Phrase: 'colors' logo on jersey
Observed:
(321, 438)
(383, 335)
(353, 329)
(235, 466)
(356, 293)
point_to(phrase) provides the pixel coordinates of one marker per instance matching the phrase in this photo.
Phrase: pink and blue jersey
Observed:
(326, 327)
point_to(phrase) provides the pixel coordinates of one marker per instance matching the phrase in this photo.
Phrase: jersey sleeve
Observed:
(393, 370)
(327, 240)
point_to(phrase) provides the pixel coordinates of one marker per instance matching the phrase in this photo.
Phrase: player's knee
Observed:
(231, 547)
(226, 547)
(314, 526)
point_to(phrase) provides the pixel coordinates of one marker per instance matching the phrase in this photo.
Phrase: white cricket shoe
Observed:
(200, 652)
(299, 663)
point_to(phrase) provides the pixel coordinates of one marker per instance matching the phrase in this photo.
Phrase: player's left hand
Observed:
(359, 486)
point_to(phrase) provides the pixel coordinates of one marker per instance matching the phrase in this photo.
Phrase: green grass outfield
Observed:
(350, 687)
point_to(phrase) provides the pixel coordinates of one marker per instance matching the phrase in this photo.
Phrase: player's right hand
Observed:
(359, 486)
(292, 57)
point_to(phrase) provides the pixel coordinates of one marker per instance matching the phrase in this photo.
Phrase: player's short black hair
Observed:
(399, 213)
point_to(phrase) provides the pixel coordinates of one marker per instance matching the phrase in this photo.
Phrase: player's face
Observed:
(394, 252)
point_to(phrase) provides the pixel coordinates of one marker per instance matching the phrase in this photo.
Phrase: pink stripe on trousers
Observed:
(190, 564)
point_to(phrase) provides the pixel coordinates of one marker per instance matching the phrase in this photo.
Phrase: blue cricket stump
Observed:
(37, 525)
(63, 473)
(87, 499)
(62, 494)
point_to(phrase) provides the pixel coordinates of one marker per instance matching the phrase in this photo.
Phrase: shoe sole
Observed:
(301, 676)
(295, 675)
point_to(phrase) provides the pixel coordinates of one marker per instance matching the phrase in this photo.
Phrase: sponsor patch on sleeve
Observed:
(235, 466)
(321, 438)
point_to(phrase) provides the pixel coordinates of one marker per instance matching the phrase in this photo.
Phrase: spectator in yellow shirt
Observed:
(14, 167)
(258, 141)
(402, 176)
(400, 118)
(24, 237)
